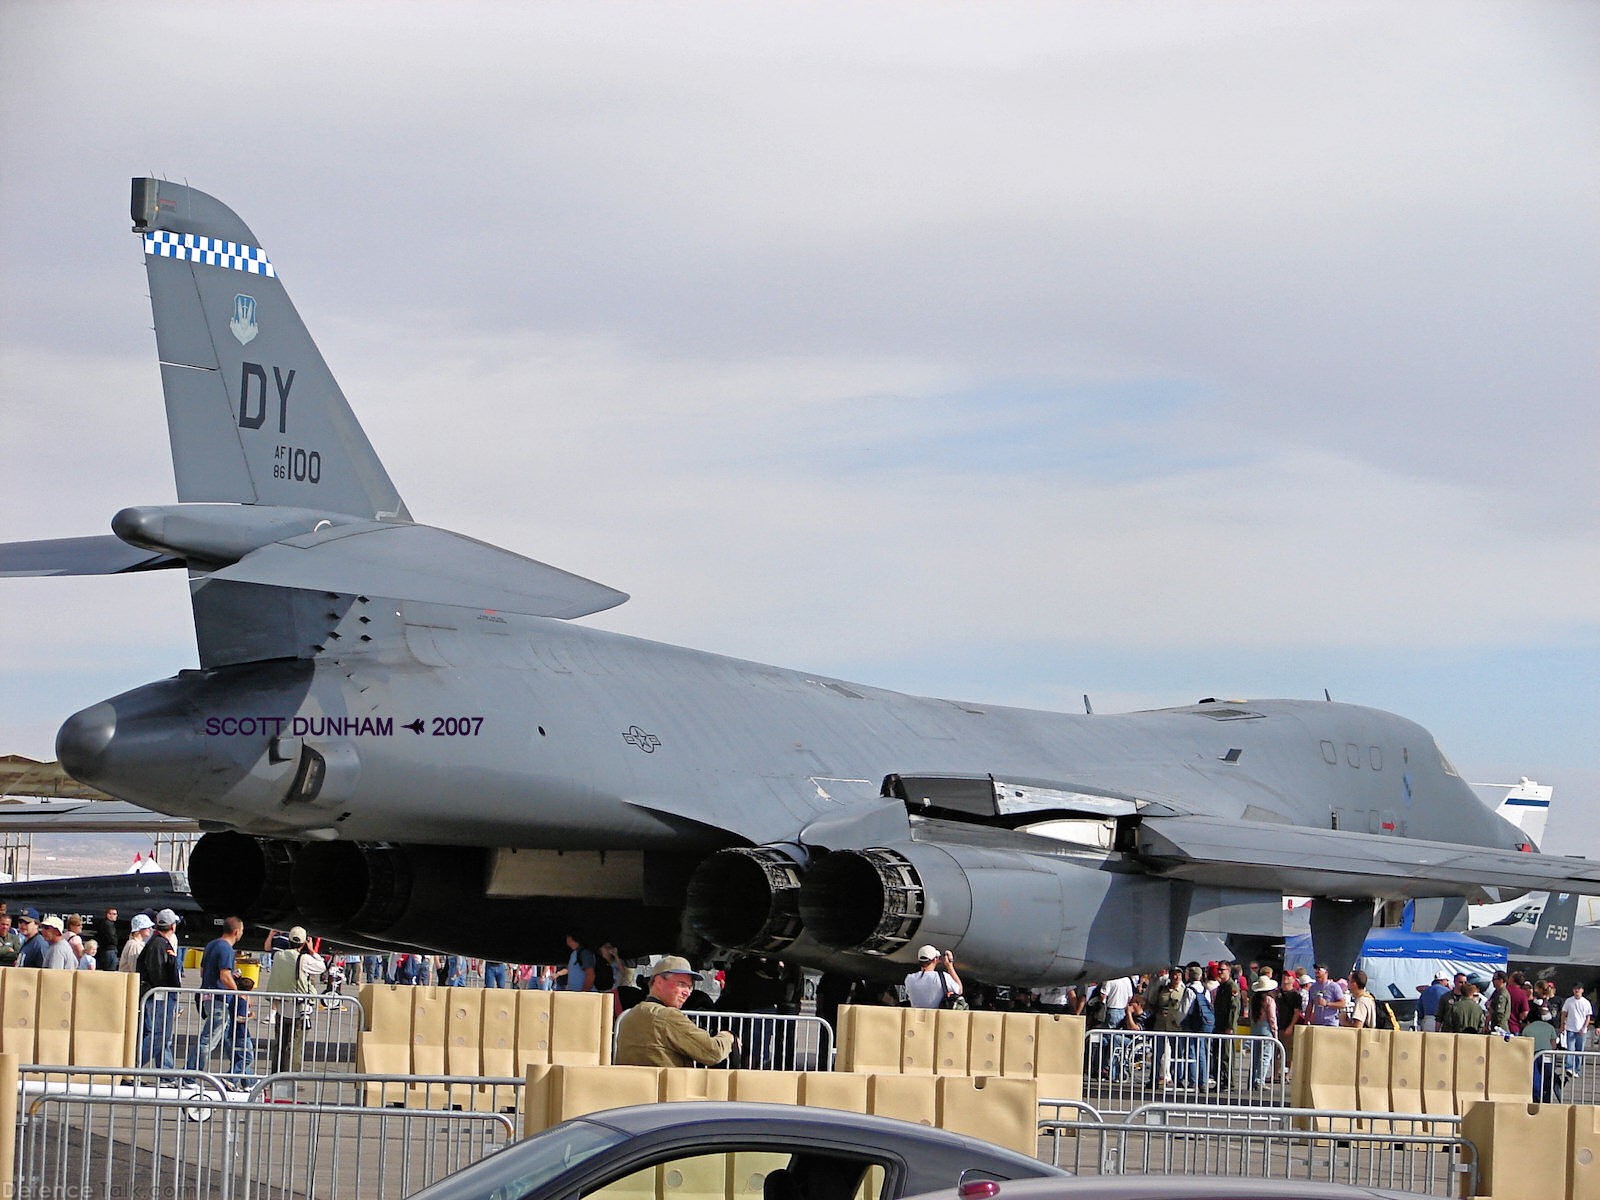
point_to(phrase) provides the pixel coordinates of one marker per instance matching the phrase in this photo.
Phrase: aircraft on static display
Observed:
(397, 734)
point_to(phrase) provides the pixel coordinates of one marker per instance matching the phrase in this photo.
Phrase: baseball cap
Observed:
(297, 935)
(166, 919)
(141, 922)
(1441, 976)
(53, 923)
(674, 964)
(28, 914)
(927, 953)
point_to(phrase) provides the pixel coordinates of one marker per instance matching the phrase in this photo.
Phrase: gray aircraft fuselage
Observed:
(565, 737)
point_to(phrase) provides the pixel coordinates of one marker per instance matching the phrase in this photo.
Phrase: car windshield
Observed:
(513, 1172)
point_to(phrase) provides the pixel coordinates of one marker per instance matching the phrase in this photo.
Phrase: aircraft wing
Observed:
(1327, 862)
(100, 555)
(22, 776)
(89, 816)
(421, 563)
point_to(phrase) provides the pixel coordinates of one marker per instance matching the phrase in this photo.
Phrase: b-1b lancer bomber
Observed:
(399, 736)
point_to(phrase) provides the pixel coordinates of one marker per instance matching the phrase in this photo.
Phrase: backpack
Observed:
(1095, 1011)
(952, 998)
(1202, 1015)
(605, 977)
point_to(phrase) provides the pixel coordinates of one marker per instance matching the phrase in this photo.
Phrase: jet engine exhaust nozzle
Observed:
(236, 874)
(870, 901)
(746, 899)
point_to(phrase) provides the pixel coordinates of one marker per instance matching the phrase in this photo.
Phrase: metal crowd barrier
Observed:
(1295, 1145)
(1123, 1068)
(773, 1041)
(1566, 1076)
(90, 1134)
(454, 1093)
(248, 1034)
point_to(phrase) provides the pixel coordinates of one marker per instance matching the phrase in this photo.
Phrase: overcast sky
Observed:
(1002, 352)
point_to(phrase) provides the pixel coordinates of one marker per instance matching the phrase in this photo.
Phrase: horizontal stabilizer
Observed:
(1326, 862)
(424, 564)
(99, 555)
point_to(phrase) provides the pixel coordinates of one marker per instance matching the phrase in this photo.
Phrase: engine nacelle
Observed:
(1010, 916)
(747, 899)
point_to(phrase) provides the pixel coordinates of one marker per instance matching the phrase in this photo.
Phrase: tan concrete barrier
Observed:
(1583, 1153)
(1405, 1071)
(580, 1028)
(1472, 1070)
(1522, 1149)
(1439, 1073)
(105, 1004)
(478, 1031)
(556, 1093)
(829, 1089)
(999, 1110)
(952, 1035)
(383, 1046)
(985, 1040)
(1044, 1047)
(498, 1037)
(1325, 1072)
(869, 1038)
(429, 1016)
(54, 1044)
(1057, 1058)
(19, 1012)
(692, 1083)
(9, 1101)
(912, 1098)
(1510, 1071)
(463, 1047)
(764, 1087)
(1374, 1059)
(919, 1032)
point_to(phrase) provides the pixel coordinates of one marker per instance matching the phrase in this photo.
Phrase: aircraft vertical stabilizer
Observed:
(1527, 806)
(1553, 936)
(253, 412)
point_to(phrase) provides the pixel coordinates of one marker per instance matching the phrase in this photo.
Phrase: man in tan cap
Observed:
(655, 1033)
(295, 969)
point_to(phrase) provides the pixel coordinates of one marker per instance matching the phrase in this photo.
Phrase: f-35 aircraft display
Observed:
(398, 735)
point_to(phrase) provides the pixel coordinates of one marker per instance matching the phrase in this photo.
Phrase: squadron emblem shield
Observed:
(244, 319)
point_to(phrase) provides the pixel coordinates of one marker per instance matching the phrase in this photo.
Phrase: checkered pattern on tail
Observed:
(235, 256)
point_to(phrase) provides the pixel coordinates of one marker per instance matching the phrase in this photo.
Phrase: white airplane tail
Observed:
(1527, 806)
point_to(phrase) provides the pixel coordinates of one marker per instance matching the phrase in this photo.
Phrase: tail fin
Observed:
(253, 413)
(1552, 938)
(1527, 806)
